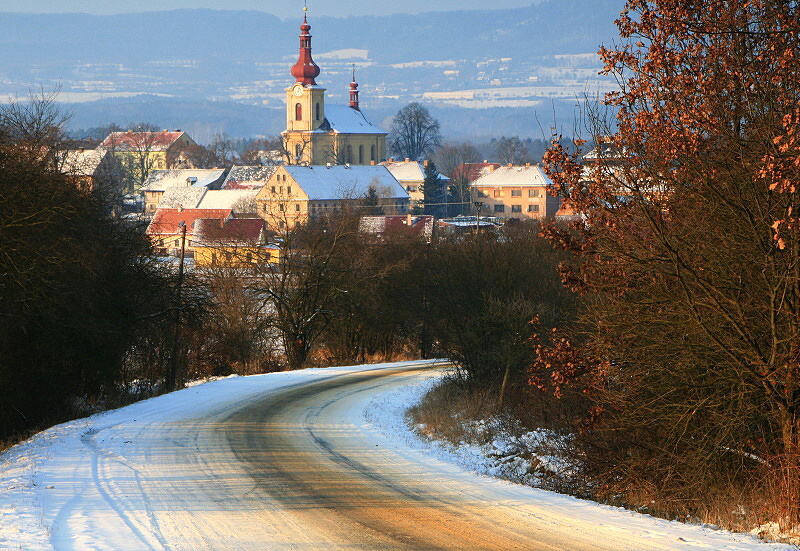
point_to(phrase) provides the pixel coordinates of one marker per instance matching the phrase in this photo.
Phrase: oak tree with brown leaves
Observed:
(688, 258)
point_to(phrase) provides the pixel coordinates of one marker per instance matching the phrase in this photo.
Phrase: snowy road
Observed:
(288, 461)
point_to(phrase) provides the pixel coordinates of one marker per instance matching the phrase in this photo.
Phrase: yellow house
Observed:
(141, 152)
(519, 192)
(233, 242)
(411, 175)
(317, 134)
(294, 194)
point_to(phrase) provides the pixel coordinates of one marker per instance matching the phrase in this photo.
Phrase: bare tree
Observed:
(452, 159)
(414, 133)
(511, 151)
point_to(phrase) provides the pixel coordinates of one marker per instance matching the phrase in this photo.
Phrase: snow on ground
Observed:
(31, 492)
(497, 458)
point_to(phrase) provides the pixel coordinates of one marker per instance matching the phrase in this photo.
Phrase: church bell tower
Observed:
(305, 103)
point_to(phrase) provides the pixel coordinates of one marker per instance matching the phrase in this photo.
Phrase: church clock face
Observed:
(297, 90)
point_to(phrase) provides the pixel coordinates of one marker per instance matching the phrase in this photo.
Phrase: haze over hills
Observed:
(483, 73)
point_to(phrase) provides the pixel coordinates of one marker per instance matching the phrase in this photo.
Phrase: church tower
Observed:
(315, 135)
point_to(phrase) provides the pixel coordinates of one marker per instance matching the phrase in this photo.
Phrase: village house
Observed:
(231, 242)
(88, 168)
(519, 192)
(141, 152)
(295, 194)
(159, 181)
(166, 232)
(411, 175)
(420, 226)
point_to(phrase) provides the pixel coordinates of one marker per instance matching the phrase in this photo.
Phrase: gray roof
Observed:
(186, 197)
(248, 177)
(346, 182)
(161, 180)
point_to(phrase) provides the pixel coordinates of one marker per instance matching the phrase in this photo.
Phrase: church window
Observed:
(298, 151)
(349, 154)
(372, 153)
(360, 154)
(298, 112)
(316, 109)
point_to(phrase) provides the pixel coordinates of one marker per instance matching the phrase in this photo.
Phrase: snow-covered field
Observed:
(47, 479)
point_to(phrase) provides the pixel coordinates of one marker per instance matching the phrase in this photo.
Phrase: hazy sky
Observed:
(282, 8)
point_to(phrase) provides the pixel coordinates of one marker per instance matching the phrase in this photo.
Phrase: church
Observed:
(319, 134)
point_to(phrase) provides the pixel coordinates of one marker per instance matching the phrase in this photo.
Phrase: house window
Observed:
(499, 208)
(274, 189)
(516, 193)
(289, 190)
(498, 193)
(516, 208)
(533, 208)
(297, 207)
(411, 188)
(281, 207)
(360, 154)
(298, 112)
(534, 193)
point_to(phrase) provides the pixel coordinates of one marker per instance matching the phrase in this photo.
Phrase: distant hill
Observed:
(209, 70)
(551, 27)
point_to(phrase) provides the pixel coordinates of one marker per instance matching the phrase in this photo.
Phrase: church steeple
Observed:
(305, 70)
(354, 91)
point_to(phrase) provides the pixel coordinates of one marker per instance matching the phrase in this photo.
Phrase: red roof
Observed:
(167, 221)
(141, 141)
(234, 230)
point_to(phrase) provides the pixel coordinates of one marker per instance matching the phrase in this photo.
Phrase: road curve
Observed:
(296, 467)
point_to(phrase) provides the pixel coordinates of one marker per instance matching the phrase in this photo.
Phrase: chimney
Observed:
(527, 165)
(80, 150)
(407, 159)
(372, 163)
(180, 208)
(491, 168)
(425, 162)
(391, 159)
(408, 219)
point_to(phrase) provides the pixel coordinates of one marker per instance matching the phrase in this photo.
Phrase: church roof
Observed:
(343, 119)
(345, 182)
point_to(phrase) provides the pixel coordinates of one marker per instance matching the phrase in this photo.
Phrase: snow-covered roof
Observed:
(514, 176)
(161, 180)
(344, 182)
(226, 198)
(343, 119)
(82, 162)
(248, 177)
(408, 171)
(182, 197)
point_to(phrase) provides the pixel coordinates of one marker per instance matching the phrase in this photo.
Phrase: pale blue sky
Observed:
(282, 8)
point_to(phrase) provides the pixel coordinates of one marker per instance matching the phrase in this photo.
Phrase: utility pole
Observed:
(478, 205)
(172, 370)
